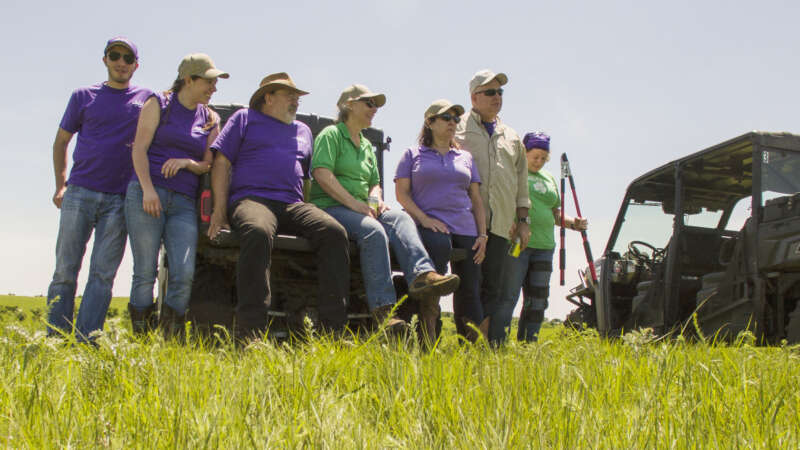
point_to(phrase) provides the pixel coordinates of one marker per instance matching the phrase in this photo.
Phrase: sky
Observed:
(621, 86)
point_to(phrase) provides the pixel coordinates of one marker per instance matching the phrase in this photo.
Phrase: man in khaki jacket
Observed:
(500, 156)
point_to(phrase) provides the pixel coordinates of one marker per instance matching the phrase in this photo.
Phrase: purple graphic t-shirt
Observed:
(181, 133)
(269, 158)
(105, 120)
(440, 185)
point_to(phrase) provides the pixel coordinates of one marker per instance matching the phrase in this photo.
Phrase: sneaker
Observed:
(394, 326)
(431, 284)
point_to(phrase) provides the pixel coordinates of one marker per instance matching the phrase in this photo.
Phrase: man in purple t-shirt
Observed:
(104, 115)
(262, 159)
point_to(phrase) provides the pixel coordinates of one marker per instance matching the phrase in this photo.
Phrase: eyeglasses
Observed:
(448, 117)
(369, 102)
(492, 92)
(127, 57)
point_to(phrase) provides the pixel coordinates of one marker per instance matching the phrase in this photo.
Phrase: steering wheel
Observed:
(642, 257)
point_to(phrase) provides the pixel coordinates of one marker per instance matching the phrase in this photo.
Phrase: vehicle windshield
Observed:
(706, 218)
(779, 169)
(646, 222)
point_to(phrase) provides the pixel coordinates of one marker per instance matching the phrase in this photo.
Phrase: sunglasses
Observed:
(448, 117)
(369, 102)
(492, 92)
(128, 57)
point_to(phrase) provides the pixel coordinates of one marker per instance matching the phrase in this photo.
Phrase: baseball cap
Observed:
(484, 77)
(201, 65)
(123, 41)
(360, 92)
(441, 106)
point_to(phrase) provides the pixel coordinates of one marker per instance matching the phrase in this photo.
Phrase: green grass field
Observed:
(570, 390)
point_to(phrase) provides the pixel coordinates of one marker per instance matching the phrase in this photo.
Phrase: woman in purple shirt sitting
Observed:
(437, 184)
(170, 151)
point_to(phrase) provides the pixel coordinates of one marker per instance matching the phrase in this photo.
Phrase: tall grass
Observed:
(570, 390)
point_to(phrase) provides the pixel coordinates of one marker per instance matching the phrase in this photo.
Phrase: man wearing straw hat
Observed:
(263, 156)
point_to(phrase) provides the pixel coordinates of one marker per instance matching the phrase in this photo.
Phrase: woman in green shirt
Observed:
(532, 269)
(346, 182)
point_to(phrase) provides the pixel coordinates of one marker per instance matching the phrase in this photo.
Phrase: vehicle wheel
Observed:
(644, 286)
(793, 327)
(580, 318)
(212, 301)
(712, 279)
(705, 295)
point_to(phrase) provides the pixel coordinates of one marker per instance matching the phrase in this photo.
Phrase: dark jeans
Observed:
(466, 300)
(492, 271)
(257, 221)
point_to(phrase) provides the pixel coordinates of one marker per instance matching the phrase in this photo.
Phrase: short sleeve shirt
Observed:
(181, 133)
(269, 158)
(543, 191)
(356, 169)
(440, 185)
(105, 120)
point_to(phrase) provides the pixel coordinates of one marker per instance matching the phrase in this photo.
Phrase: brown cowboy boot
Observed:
(429, 311)
(474, 332)
(394, 326)
(431, 284)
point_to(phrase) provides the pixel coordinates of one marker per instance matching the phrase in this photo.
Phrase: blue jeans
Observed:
(176, 226)
(530, 271)
(393, 228)
(467, 299)
(82, 211)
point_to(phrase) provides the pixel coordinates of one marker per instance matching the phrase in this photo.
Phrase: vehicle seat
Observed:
(700, 250)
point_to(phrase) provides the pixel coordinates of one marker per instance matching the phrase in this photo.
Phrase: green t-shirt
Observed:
(355, 168)
(543, 192)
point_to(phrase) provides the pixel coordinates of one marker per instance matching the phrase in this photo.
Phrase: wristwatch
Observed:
(525, 219)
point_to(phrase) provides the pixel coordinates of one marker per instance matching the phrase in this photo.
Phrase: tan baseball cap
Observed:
(360, 92)
(201, 65)
(484, 77)
(272, 82)
(441, 106)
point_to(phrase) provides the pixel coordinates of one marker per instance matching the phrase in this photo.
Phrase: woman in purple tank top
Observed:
(170, 152)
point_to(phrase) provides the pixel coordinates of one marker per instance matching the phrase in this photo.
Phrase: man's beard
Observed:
(119, 79)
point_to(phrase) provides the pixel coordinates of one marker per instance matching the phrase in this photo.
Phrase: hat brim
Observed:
(259, 93)
(457, 109)
(500, 77)
(379, 99)
(215, 73)
(122, 44)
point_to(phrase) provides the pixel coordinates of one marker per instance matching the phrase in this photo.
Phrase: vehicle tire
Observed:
(212, 300)
(643, 286)
(793, 327)
(712, 279)
(580, 318)
(704, 296)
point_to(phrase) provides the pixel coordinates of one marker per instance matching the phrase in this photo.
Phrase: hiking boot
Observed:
(431, 284)
(142, 322)
(171, 324)
(475, 331)
(394, 326)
